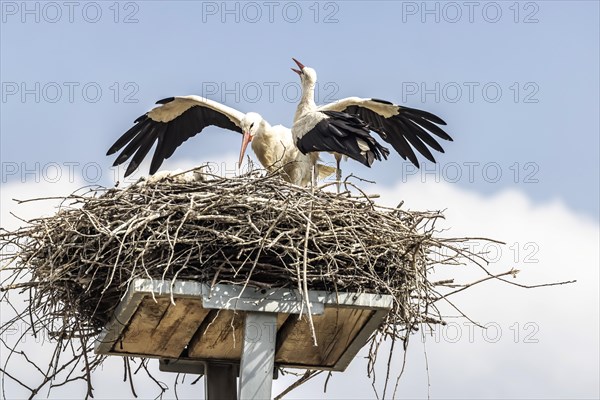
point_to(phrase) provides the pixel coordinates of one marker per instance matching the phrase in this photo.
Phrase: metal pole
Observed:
(220, 381)
(258, 356)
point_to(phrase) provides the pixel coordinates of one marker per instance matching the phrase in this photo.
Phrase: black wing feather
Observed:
(423, 114)
(398, 141)
(159, 153)
(425, 136)
(413, 139)
(410, 125)
(141, 152)
(140, 118)
(173, 138)
(170, 135)
(127, 136)
(142, 136)
(378, 124)
(340, 133)
(433, 128)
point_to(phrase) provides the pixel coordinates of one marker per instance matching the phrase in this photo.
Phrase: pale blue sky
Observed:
(541, 132)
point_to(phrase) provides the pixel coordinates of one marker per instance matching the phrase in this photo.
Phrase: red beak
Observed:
(245, 140)
(300, 65)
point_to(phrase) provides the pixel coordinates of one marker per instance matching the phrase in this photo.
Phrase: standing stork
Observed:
(343, 127)
(179, 118)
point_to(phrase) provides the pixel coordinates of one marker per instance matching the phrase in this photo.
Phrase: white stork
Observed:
(343, 127)
(179, 118)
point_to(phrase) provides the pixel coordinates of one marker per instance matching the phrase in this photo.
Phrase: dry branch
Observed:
(250, 230)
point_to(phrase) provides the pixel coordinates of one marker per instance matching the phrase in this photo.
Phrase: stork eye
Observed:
(251, 125)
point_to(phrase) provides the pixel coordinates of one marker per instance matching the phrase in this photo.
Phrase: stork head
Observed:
(307, 74)
(251, 124)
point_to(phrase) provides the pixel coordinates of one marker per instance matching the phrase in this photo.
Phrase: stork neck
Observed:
(264, 129)
(307, 101)
(263, 135)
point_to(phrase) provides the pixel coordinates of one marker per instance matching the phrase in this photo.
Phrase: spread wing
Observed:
(170, 124)
(342, 133)
(402, 127)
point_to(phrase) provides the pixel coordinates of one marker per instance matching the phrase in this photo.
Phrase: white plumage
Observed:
(343, 127)
(177, 119)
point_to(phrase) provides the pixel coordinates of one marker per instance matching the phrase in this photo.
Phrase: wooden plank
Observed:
(221, 335)
(161, 328)
(144, 321)
(178, 326)
(335, 329)
(349, 322)
(281, 318)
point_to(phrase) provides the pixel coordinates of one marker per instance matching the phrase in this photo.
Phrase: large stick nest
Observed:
(258, 231)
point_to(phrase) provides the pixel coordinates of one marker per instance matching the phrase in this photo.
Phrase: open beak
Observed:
(300, 65)
(245, 140)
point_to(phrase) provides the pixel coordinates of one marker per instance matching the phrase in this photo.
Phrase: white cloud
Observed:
(542, 343)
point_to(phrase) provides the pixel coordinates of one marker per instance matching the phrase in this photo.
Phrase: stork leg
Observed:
(338, 171)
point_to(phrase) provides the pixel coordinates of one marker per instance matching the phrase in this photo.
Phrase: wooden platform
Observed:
(191, 321)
